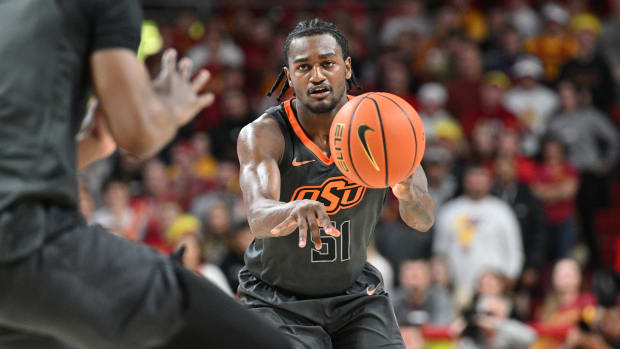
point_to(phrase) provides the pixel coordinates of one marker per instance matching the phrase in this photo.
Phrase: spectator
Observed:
(410, 17)
(396, 241)
(239, 240)
(531, 102)
(472, 19)
(528, 210)
(236, 114)
(442, 185)
(488, 326)
(396, 80)
(216, 50)
(440, 273)
(556, 185)
(524, 18)
(508, 147)
(193, 259)
(583, 129)
(116, 215)
(477, 232)
(492, 283)
(610, 36)
(589, 69)
(418, 300)
(185, 182)
(490, 110)
(217, 222)
(432, 97)
(505, 54)
(565, 303)
(468, 78)
(555, 45)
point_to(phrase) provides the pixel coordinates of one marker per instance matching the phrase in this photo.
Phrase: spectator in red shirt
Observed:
(556, 186)
(461, 95)
(490, 108)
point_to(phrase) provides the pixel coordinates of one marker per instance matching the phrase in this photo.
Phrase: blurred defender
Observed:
(63, 283)
(319, 291)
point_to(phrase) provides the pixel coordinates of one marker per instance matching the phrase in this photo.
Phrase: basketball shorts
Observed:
(362, 317)
(86, 288)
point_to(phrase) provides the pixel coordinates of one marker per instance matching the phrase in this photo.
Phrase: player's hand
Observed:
(181, 93)
(404, 190)
(308, 216)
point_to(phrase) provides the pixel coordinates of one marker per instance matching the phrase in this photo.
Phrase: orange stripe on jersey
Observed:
(299, 131)
(302, 135)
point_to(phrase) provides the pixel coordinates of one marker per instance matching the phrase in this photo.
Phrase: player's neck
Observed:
(317, 125)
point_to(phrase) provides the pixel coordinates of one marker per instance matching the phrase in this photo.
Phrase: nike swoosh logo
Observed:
(361, 134)
(299, 163)
(371, 292)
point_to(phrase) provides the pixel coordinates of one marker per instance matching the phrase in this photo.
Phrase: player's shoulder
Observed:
(261, 138)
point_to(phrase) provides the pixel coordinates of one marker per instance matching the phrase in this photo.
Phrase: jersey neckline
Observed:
(301, 134)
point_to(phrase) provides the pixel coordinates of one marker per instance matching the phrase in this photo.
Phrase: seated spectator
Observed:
(477, 232)
(193, 259)
(116, 216)
(506, 52)
(440, 273)
(555, 45)
(531, 102)
(442, 185)
(432, 97)
(217, 222)
(410, 16)
(524, 18)
(566, 302)
(556, 186)
(469, 70)
(490, 109)
(185, 183)
(418, 300)
(493, 283)
(487, 325)
(239, 239)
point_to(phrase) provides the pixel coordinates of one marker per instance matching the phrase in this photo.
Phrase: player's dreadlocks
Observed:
(308, 28)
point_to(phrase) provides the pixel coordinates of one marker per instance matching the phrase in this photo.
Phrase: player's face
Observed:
(318, 72)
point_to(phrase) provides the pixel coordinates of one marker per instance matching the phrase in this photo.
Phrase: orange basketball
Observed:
(377, 139)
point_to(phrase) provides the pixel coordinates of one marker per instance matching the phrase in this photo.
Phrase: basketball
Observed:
(377, 139)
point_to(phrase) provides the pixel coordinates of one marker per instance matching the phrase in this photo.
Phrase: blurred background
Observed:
(521, 105)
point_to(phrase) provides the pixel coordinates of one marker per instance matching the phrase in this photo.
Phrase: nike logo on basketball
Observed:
(371, 292)
(299, 163)
(361, 134)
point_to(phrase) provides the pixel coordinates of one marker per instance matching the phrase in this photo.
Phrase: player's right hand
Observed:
(182, 93)
(307, 215)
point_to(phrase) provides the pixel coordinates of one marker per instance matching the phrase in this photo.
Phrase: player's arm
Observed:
(260, 147)
(415, 204)
(97, 143)
(144, 115)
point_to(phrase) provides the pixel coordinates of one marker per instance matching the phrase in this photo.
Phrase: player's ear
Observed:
(347, 65)
(288, 75)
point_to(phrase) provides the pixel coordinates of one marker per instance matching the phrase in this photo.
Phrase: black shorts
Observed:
(86, 288)
(361, 317)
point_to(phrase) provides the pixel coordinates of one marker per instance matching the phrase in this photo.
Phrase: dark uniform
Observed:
(64, 283)
(327, 298)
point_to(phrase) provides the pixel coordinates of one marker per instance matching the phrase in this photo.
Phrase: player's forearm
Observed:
(266, 214)
(418, 213)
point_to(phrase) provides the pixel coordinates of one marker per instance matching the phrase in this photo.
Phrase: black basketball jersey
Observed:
(307, 173)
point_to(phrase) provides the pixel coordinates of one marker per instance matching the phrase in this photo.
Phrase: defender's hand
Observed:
(181, 93)
(307, 215)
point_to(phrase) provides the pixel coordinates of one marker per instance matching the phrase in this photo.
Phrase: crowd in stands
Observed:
(520, 100)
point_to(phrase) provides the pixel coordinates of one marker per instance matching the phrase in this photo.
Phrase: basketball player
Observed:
(306, 269)
(63, 283)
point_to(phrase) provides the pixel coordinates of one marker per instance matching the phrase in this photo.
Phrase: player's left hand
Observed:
(404, 190)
